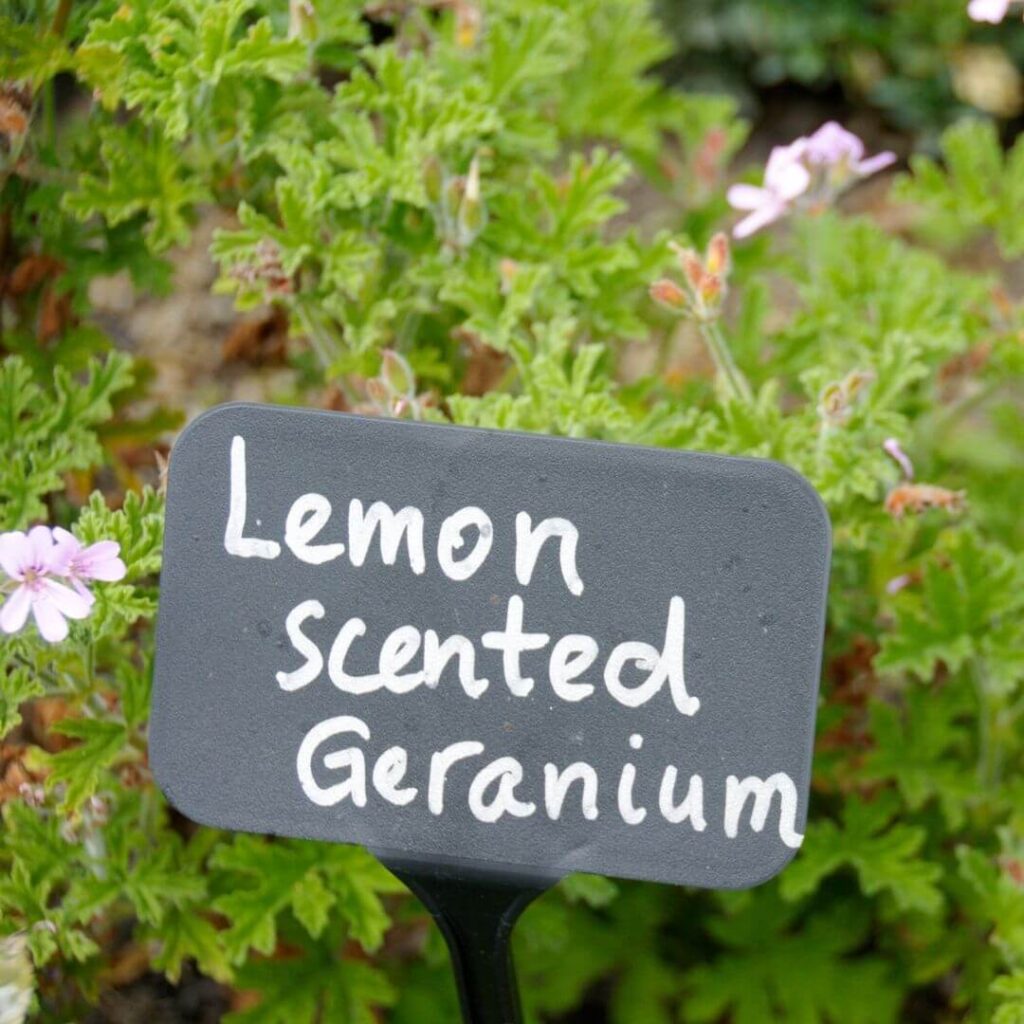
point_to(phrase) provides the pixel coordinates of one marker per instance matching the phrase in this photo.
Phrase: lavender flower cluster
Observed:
(809, 172)
(50, 569)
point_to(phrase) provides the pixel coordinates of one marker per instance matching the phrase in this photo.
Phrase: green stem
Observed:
(323, 345)
(989, 761)
(730, 376)
(664, 353)
(60, 19)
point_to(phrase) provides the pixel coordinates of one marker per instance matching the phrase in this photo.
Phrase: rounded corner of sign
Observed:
(817, 507)
(166, 774)
(181, 799)
(203, 420)
(768, 871)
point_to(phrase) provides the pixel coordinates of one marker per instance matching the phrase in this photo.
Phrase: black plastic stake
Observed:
(476, 912)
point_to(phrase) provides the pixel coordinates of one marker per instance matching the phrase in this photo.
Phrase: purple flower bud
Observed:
(899, 456)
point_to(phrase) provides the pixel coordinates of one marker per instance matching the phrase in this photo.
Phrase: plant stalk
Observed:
(730, 376)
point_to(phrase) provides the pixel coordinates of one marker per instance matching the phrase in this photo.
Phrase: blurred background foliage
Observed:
(920, 64)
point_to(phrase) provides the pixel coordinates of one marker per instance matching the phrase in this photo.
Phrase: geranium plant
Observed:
(438, 200)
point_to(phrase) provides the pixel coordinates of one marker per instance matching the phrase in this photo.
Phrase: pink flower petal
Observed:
(108, 571)
(49, 620)
(898, 583)
(15, 610)
(785, 169)
(64, 550)
(792, 181)
(874, 164)
(100, 561)
(747, 197)
(15, 553)
(65, 600)
(103, 549)
(758, 219)
(832, 143)
(895, 452)
(992, 11)
(40, 540)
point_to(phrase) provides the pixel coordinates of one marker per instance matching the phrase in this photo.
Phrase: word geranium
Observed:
(51, 569)
(810, 172)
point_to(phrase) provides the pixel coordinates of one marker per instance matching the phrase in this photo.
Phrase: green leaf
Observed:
(594, 890)
(318, 986)
(885, 856)
(142, 173)
(309, 879)
(45, 434)
(187, 935)
(17, 685)
(28, 55)
(979, 187)
(968, 607)
(1010, 990)
(311, 903)
(776, 967)
(924, 747)
(81, 767)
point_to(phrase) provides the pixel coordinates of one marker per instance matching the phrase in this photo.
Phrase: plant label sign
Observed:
(509, 652)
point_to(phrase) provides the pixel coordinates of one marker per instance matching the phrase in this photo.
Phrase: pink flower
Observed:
(895, 452)
(992, 11)
(785, 178)
(99, 561)
(833, 146)
(808, 173)
(898, 583)
(26, 558)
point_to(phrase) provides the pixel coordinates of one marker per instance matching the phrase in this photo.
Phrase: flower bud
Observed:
(895, 452)
(509, 271)
(717, 262)
(668, 294)
(396, 374)
(833, 406)
(692, 268)
(472, 213)
(710, 290)
(452, 193)
(473, 182)
(377, 393)
(901, 582)
(433, 180)
(839, 398)
(918, 498)
(468, 19)
(856, 382)
(302, 20)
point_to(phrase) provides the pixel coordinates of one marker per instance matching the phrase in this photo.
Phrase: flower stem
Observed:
(730, 376)
(324, 346)
(60, 18)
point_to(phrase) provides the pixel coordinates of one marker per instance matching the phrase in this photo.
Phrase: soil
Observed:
(153, 1000)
